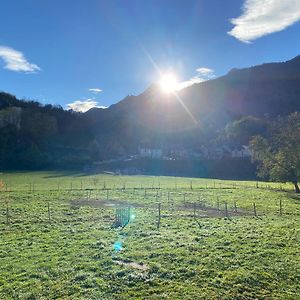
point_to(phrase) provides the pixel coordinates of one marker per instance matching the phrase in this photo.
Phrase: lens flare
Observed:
(118, 246)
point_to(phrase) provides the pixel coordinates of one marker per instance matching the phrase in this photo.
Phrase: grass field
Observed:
(58, 240)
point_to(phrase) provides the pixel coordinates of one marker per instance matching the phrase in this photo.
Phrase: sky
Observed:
(80, 54)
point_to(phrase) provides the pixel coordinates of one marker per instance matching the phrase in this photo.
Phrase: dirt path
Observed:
(134, 265)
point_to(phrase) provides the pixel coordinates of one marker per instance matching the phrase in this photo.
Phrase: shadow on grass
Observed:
(60, 174)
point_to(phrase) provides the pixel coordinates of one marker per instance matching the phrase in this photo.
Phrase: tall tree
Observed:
(278, 155)
(240, 132)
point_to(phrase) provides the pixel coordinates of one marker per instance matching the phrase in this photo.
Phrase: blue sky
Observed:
(55, 51)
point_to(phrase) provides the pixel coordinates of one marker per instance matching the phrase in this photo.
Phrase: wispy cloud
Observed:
(262, 17)
(15, 61)
(84, 105)
(203, 74)
(95, 91)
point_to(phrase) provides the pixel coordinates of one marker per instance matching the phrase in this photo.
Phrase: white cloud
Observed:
(203, 74)
(206, 72)
(95, 91)
(262, 17)
(84, 105)
(15, 61)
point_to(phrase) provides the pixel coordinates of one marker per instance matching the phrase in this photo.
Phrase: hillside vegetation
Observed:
(36, 136)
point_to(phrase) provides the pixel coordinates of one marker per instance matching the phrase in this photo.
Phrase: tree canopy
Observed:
(278, 154)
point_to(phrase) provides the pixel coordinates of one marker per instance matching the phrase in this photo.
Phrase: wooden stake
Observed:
(158, 220)
(7, 214)
(254, 209)
(226, 210)
(49, 215)
(280, 207)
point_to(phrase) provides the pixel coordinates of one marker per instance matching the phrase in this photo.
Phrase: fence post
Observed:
(194, 210)
(49, 215)
(254, 209)
(280, 207)
(158, 220)
(107, 194)
(226, 210)
(191, 185)
(235, 207)
(7, 213)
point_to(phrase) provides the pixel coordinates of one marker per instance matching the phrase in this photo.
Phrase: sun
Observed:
(168, 83)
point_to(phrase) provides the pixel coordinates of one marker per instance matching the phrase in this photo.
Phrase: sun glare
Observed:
(168, 83)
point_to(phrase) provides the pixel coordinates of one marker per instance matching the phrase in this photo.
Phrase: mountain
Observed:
(272, 88)
(202, 109)
(35, 135)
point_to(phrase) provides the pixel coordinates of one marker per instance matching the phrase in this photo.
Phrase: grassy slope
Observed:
(73, 257)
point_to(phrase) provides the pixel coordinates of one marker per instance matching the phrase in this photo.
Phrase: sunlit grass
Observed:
(74, 255)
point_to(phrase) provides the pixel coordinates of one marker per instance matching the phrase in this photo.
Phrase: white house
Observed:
(150, 152)
(243, 152)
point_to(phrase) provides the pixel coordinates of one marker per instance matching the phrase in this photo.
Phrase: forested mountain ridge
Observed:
(33, 135)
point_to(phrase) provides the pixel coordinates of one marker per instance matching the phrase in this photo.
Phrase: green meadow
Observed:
(58, 239)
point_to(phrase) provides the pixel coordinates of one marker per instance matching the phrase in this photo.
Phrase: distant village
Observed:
(221, 152)
(173, 158)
